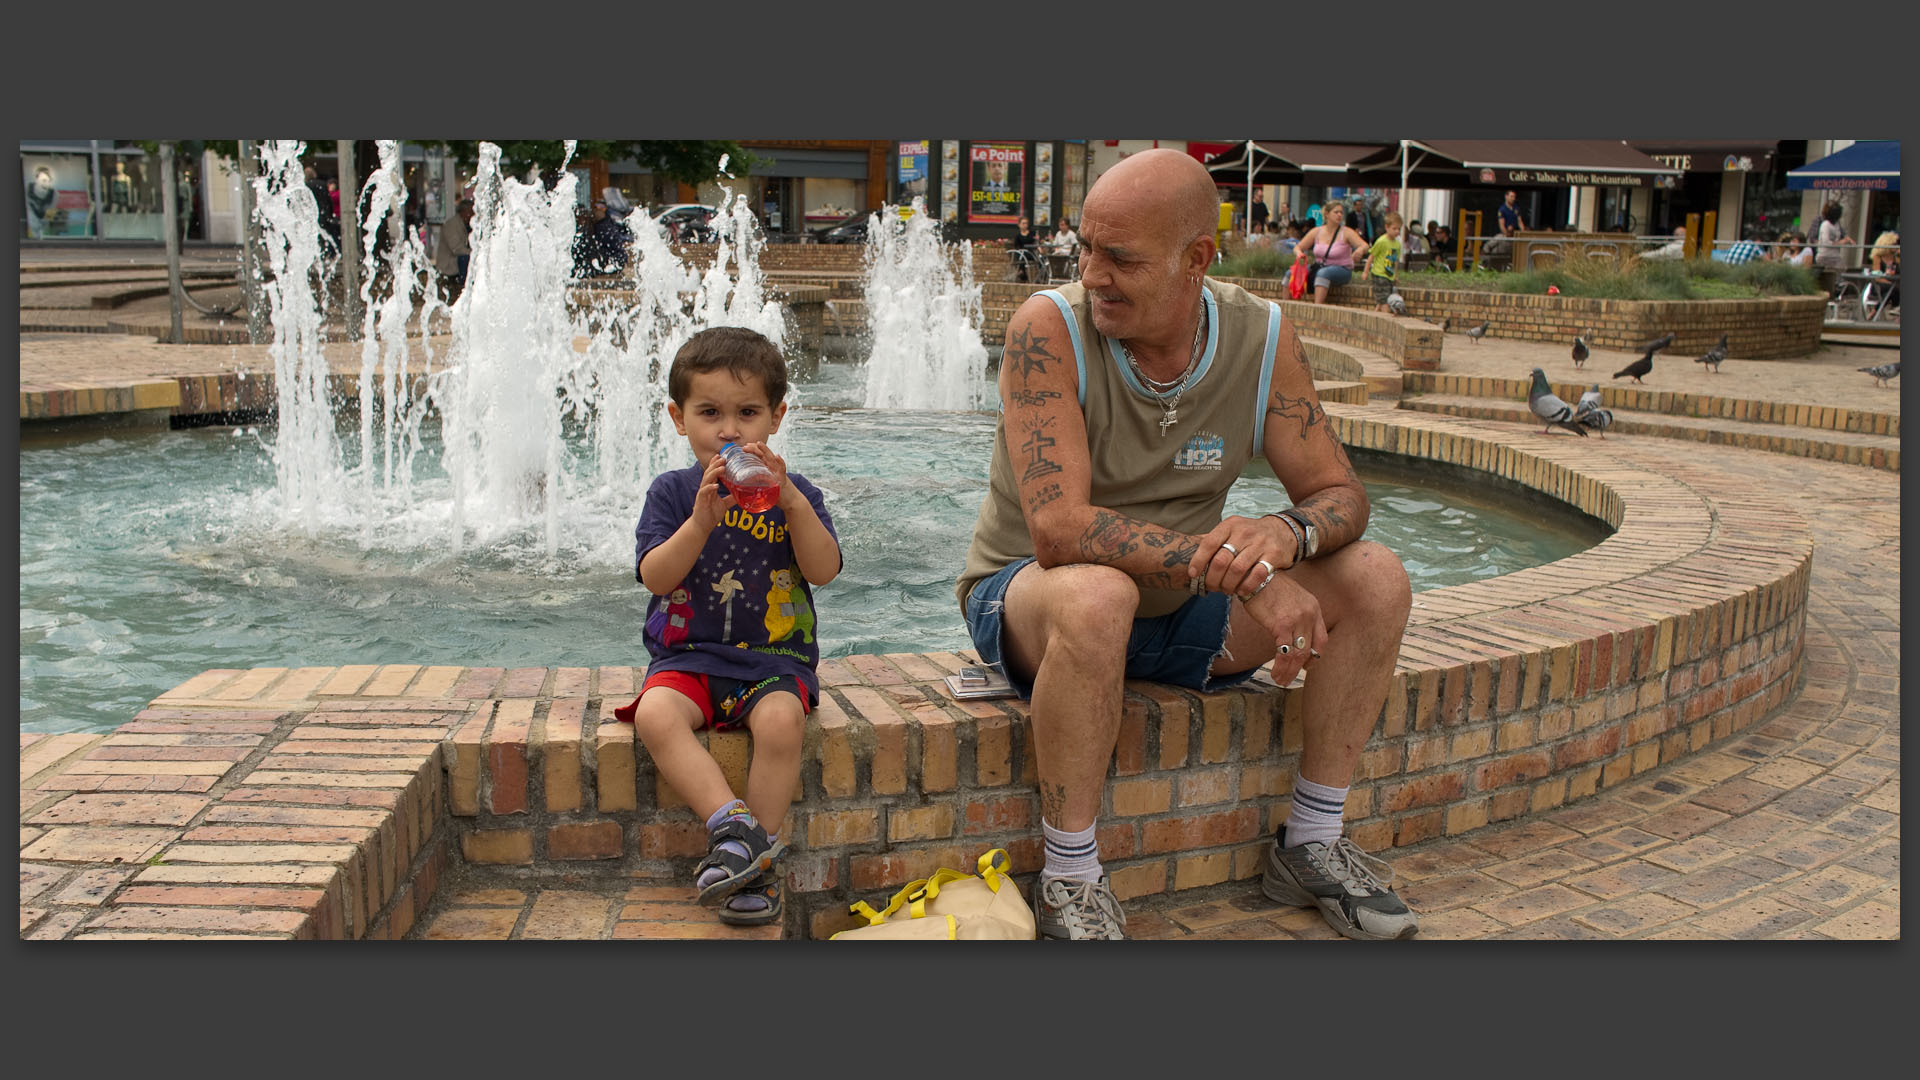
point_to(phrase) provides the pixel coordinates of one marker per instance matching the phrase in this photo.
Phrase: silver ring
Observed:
(1285, 649)
(1229, 547)
(1300, 642)
(1266, 564)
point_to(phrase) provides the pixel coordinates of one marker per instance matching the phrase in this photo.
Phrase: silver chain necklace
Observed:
(1168, 393)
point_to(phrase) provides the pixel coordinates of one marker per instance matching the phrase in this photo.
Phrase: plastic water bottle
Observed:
(753, 485)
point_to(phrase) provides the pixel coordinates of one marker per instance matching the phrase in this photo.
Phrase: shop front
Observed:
(980, 189)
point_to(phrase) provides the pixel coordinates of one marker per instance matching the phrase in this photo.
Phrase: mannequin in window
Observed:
(119, 189)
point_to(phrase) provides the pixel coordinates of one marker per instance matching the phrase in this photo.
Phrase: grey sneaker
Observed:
(1345, 883)
(1078, 910)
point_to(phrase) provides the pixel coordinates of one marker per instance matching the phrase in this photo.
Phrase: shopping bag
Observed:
(951, 906)
(1297, 280)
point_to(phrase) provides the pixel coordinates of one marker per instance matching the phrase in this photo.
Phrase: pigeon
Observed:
(1714, 356)
(1657, 344)
(1579, 351)
(1641, 366)
(1446, 324)
(1396, 303)
(1882, 372)
(1478, 332)
(1588, 413)
(1556, 413)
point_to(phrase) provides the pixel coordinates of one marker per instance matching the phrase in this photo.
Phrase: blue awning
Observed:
(1868, 165)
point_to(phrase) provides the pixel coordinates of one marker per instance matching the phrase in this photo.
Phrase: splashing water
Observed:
(923, 316)
(552, 416)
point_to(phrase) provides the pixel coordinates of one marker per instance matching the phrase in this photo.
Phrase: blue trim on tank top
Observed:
(1266, 377)
(1073, 331)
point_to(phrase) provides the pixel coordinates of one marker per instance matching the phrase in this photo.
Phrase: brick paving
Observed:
(1788, 829)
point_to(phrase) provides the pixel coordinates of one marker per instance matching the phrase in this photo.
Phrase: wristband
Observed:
(1299, 538)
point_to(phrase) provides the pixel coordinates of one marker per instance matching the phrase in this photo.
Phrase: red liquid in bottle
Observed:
(747, 478)
(756, 500)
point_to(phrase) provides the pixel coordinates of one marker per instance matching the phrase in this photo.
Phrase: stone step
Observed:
(1644, 399)
(1875, 451)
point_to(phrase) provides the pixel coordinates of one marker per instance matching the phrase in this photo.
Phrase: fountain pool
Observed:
(146, 559)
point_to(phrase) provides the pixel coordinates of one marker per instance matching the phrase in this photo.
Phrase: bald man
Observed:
(1132, 400)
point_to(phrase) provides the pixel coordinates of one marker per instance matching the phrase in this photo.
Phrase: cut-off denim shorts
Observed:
(1175, 648)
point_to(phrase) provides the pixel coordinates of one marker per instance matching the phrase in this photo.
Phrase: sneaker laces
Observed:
(1348, 864)
(1085, 907)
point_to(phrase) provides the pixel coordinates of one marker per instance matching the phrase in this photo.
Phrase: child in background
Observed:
(730, 628)
(1383, 260)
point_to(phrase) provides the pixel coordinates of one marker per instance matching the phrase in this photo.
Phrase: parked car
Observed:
(848, 230)
(688, 223)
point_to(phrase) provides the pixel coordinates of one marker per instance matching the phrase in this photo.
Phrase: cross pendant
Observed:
(1166, 420)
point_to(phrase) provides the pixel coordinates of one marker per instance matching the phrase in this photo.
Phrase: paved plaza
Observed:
(1789, 829)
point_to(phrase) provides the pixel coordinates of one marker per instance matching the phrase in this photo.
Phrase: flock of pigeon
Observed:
(1588, 415)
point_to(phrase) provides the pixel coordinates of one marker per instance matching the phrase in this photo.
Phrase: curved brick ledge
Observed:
(1670, 402)
(1772, 328)
(325, 802)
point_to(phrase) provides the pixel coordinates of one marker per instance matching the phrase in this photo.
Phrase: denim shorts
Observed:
(1175, 648)
(1333, 275)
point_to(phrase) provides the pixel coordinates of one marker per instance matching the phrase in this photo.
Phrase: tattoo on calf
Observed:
(1026, 352)
(1053, 803)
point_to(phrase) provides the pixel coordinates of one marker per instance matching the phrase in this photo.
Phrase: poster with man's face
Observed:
(996, 183)
(59, 195)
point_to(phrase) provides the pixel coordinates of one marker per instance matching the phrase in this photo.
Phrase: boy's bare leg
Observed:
(778, 723)
(666, 721)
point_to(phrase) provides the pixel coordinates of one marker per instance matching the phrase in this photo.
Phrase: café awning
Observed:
(1295, 162)
(1537, 163)
(1868, 165)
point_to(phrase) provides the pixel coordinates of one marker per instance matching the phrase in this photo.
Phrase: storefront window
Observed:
(1076, 160)
(1767, 207)
(828, 200)
(130, 207)
(59, 195)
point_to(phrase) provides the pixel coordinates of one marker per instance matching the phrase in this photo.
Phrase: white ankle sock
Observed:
(1315, 815)
(1071, 854)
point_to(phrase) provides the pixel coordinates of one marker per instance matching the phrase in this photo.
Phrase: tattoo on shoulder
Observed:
(1300, 353)
(1038, 463)
(1303, 410)
(1026, 352)
(1032, 399)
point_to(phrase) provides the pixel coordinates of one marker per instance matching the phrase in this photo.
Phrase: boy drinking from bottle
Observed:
(730, 628)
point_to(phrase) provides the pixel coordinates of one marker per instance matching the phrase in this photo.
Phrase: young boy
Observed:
(1383, 259)
(730, 629)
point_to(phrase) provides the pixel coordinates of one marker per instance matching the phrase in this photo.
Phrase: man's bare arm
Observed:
(1046, 438)
(1306, 454)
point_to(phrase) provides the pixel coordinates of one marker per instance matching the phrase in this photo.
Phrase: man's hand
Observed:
(1292, 615)
(1230, 557)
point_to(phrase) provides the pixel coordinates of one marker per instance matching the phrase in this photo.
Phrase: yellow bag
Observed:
(951, 906)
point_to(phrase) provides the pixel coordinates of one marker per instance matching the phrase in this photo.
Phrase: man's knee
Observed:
(1085, 602)
(1375, 582)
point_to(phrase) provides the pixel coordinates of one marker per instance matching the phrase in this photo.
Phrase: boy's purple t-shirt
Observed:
(744, 611)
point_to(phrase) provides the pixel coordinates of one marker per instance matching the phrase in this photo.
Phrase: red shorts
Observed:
(724, 703)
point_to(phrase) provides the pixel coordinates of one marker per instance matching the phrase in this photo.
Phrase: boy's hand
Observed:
(778, 464)
(709, 506)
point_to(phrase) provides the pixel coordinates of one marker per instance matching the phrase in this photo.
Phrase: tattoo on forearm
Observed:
(1026, 353)
(1302, 410)
(1044, 496)
(1032, 399)
(1053, 803)
(1040, 465)
(1182, 554)
(1110, 538)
